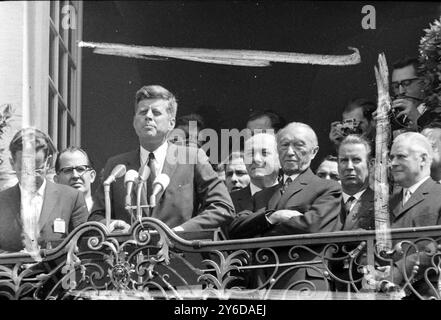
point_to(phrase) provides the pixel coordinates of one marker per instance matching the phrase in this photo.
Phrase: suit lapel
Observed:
(14, 203)
(272, 203)
(49, 201)
(297, 185)
(366, 200)
(245, 198)
(133, 160)
(169, 168)
(418, 196)
(395, 204)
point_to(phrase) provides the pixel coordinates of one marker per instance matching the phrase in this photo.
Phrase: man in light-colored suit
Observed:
(195, 198)
(36, 210)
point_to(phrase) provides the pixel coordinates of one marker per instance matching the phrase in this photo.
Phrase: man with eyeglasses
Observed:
(73, 168)
(407, 94)
(36, 213)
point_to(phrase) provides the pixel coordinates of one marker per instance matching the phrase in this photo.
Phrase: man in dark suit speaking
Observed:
(195, 198)
(36, 211)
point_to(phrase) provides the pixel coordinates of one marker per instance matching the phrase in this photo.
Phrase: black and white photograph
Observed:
(220, 155)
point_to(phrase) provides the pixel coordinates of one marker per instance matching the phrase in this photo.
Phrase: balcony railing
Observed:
(153, 262)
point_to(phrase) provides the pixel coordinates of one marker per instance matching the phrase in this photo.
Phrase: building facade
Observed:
(40, 64)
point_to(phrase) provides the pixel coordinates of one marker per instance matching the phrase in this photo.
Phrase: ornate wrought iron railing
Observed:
(152, 262)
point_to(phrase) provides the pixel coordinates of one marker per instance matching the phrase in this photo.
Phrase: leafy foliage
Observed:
(430, 64)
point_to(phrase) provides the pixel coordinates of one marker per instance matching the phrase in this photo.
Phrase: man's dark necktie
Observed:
(286, 185)
(152, 165)
(348, 205)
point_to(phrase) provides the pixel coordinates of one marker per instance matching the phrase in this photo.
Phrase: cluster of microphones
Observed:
(133, 179)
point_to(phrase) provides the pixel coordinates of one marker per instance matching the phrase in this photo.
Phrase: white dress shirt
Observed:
(357, 197)
(36, 199)
(160, 154)
(293, 177)
(413, 188)
(254, 189)
(33, 202)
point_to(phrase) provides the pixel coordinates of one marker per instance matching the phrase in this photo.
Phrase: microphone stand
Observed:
(138, 199)
(107, 203)
(145, 172)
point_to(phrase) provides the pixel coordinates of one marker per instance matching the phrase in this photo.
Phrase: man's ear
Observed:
(92, 175)
(424, 159)
(172, 123)
(56, 178)
(314, 152)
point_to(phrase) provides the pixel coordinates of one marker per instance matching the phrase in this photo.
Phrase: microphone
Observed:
(129, 179)
(143, 175)
(161, 183)
(117, 172)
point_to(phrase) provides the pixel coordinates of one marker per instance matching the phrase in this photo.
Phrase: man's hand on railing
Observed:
(119, 226)
(281, 216)
(178, 229)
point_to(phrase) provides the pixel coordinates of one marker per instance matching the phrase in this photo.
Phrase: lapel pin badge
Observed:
(59, 225)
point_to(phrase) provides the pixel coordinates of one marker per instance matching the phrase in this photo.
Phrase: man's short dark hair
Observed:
(366, 105)
(71, 150)
(329, 157)
(157, 92)
(406, 61)
(42, 142)
(277, 121)
(184, 120)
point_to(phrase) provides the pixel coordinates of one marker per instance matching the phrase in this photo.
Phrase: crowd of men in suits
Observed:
(266, 189)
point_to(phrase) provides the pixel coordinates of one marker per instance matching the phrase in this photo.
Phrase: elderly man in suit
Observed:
(35, 211)
(262, 164)
(301, 203)
(416, 205)
(195, 199)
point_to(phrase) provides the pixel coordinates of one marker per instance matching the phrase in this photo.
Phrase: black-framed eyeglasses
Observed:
(404, 83)
(80, 169)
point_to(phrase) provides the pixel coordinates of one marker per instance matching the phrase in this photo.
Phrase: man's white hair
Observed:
(300, 125)
(433, 134)
(416, 142)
